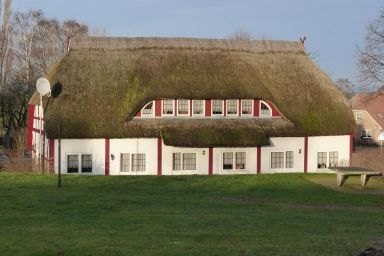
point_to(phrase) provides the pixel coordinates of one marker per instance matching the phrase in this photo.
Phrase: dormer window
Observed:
(247, 107)
(167, 107)
(217, 107)
(148, 109)
(265, 110)
(232, 107)
(183, 107)
(198, 107)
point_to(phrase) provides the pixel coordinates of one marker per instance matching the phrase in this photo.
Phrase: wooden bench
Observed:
(342, 174)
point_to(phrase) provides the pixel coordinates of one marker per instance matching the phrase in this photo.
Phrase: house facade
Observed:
(166, 106)
(368, 111)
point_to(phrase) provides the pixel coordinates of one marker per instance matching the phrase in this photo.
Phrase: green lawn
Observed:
(221, 215)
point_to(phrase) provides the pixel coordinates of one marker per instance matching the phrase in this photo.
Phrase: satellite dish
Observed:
(56, 89)
(43, 86)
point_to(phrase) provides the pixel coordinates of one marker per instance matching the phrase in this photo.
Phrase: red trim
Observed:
(275, 111)
(175, 107)
(225, 107)
(210, 161)
(350, 148)
(51, 155)
(256, 108)
(37, 131)
(31, 113)
(190, 107)
(157, 107)
(258, 159)
(107, 152)
(159, 156)
(305, 154)
(208, 105)
(239, 107)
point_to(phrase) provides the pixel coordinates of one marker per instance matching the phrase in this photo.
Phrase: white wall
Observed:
(250, 160)
(327, 144)
(134, 146)
(96, 147)
(283, 144)
(202, 155)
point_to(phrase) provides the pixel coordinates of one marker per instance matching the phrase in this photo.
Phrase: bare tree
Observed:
(346, 87)
(240, 34)
(26, 26)
(5, 40)
(37, 44)
(371, 60)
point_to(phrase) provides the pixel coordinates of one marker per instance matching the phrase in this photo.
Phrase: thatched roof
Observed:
(107, 80)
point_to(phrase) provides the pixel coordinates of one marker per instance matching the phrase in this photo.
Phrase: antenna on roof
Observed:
(302, 40)
(56, 89)
(43, 86)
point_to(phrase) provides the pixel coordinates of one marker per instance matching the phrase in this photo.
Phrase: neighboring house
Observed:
(173, 106)
(368, 110)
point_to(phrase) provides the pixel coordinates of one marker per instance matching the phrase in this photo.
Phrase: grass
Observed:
(287, 214)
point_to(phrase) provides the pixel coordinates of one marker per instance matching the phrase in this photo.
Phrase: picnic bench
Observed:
(342, 174)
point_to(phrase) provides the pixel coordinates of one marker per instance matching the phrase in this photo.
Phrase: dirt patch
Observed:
(375, 185)
(377, 249)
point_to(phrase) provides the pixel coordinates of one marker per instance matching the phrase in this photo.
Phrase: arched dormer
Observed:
(265, 109)
(217, 108)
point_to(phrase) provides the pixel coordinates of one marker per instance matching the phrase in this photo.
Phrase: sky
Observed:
(334, 28)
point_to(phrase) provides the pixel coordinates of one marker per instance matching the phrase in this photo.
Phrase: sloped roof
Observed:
(107, 80)
(373, 103)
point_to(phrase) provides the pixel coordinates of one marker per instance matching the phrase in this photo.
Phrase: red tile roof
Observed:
(373, 103)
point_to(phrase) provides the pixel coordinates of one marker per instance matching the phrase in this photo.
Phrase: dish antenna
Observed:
(56, 89)
(43, 86)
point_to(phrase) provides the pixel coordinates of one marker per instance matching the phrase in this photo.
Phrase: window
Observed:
(138, 162)
(176, 161)
(246, 107)
(217, 107)
(168, 107)
(148, 109)
(289, 159)
(359, 115)
(366, 133)
(86, 163)
(228, 161)
(240, 160)
(198, 107)
(277, 160)
(72, 164)
(189, 161)
(321, 160)
(124, 162)
(265, 111)
(333, 158)
(183, 107)
(232, 107)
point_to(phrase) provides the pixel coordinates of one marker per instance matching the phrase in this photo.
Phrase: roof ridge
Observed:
(181, 42)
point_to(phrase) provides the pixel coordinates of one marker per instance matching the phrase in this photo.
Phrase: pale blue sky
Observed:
(334, 28)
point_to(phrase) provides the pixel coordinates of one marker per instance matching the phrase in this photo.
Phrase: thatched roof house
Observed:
(107, 80)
